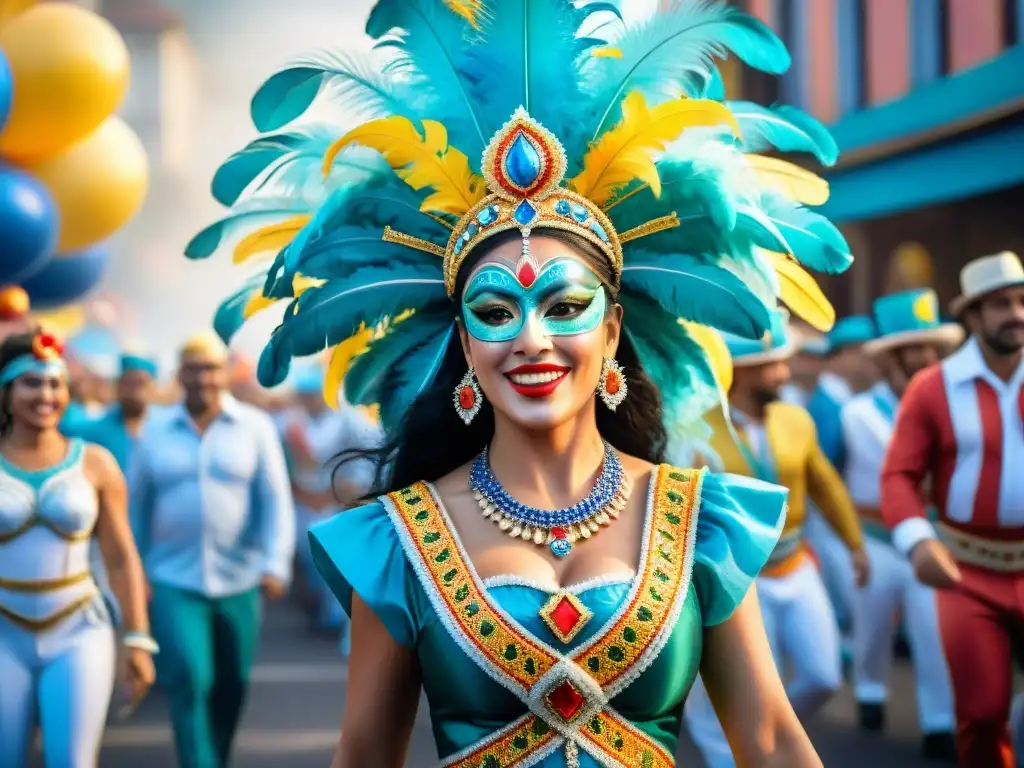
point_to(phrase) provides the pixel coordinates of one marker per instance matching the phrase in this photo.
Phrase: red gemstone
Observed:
(525, 273)
(566, 701)
(558, 532)
(612, 383)
(565, 616)
(467, 398)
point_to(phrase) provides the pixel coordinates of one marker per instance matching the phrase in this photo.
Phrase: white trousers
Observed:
(892, 589)
(68, 674)
(836, 568)
(804, 638)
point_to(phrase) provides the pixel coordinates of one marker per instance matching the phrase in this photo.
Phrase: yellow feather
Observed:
(421, 161)
(271, 238)
(794, 182)
(341, 360)
(470, 10)
(628, 151)
(715, 348)
(801, 293)
(257, 302)
(608, 52)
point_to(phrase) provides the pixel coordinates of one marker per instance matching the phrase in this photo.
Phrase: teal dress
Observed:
(706, 538)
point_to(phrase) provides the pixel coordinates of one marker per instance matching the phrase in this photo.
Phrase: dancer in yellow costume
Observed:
(763, 437)
(549, 207)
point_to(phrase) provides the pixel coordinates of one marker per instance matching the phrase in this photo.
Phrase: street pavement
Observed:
(298, 693)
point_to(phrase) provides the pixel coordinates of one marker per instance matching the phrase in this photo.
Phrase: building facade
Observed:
(926, 101)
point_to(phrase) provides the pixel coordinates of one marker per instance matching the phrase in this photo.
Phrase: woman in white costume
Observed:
(57, 649)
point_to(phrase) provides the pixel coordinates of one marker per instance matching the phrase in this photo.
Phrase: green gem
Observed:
(594, 663)
(674, 519)
(472, 609)
(450, 575)
(618, 744)
(647, 761)
(674, 497)
(540, 727)
(666, 535)
(655, 595)
(629, 635)
(520, 742)
(660, 574)
(421, 516)
(443, 555)
(461, 593)
(486, 628)
(511, 652)
(530, 666)
(678, 476)
(644, 613)
(431, 537)
(616, 654)
(595, 725)
(490, 762)
(414, 500)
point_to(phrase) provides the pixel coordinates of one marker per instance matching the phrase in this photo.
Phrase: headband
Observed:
(29, 363)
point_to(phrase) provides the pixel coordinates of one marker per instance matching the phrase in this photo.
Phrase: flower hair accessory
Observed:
(522, 115)
(47, 347)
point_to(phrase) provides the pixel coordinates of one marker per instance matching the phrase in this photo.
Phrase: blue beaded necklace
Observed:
(559, 529)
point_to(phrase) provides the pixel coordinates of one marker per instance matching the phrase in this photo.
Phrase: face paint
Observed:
(566, 298)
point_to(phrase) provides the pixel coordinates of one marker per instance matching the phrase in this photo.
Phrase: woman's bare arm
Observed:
(740, 676)
(383, 694)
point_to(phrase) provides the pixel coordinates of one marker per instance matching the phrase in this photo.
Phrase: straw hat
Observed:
(985, 275)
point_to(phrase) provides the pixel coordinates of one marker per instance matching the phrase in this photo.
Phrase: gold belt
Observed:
(51, 621)
(36, 586)
(1005, 556)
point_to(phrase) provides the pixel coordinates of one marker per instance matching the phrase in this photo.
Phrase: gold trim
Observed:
(652, 227)
(35, 520)
(622, 198)
(548, 608)
(1003, 556)
(35, 586)
(400, 238)
(42, 625)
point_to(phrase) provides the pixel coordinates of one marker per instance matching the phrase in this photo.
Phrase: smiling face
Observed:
(38, 400)
(538, 348)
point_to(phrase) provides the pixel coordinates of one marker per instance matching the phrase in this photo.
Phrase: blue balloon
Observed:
(67, 278)
(6, 90)
(28, 225)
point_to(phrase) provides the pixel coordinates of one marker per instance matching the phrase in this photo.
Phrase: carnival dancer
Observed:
(545, 282)
(959, 422)
(211, 510)
(911, 338)
(776, 442)
(847, 371)
(57, 640)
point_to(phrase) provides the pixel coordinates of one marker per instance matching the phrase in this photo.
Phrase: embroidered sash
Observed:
(567, 695)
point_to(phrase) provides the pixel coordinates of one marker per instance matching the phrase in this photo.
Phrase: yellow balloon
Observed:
(70, 72)
(65, 322)
(98, 184)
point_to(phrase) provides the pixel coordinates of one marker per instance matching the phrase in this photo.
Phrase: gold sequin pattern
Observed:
(511, 748)
(624, 743)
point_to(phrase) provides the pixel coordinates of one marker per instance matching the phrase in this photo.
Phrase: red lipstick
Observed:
(553, 375)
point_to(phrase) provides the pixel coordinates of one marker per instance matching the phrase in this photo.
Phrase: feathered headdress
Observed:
(489, 115)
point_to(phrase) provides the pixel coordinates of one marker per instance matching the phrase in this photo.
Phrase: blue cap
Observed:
(911, 317)
(776, 344)
(138, 363)
(850, 331)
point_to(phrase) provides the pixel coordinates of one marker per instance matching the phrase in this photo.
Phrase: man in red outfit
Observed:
(960, 424)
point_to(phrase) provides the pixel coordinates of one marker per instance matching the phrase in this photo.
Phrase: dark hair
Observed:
(431, 440)
(13, 346)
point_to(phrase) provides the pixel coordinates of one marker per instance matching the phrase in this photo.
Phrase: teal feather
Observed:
(349, 249)
(372, 369)
(674, 52)
(413, 375)
(346, 79)
(229, 317)
(332, 312)
(814, 240)
(688, 287)
(428, 41)
(783, 128)
(715, 89)
(252, 213)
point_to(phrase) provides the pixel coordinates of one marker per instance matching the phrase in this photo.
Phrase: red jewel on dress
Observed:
(565, 616)
(566, 701)
(467, 398)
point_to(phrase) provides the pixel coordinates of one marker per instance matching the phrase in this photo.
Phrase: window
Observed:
(851, 22)
(1012, 12)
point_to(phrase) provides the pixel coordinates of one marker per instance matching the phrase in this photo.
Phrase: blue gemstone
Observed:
(560, 547)
(522, 163)
(472, 229)
(598, 230)
(488, 215)
(562, 208)
(458, 246)
(524, 213)
(579, 213)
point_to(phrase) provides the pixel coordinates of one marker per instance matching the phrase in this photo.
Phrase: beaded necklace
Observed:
(559, 529)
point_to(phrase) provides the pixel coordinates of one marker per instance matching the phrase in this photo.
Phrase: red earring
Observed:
(612, 387)
(468, 397)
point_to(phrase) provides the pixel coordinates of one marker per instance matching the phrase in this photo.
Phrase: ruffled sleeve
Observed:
(738, 525)
(358, 551)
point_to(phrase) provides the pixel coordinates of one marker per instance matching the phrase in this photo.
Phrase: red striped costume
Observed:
(963, 428)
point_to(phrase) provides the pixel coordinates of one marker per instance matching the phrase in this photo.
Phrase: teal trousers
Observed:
(207, 647)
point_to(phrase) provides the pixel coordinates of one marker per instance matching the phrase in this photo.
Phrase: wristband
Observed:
(140, 642)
